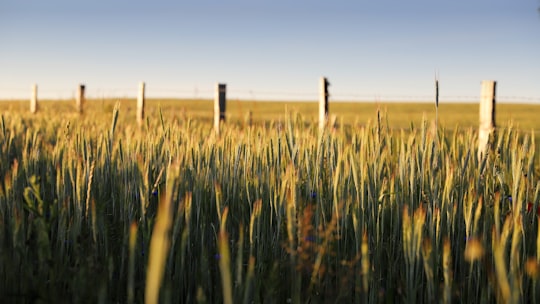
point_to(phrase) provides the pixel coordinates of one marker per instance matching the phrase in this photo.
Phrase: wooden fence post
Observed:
(34, 100)
(487, 115)
(323, 102)
(140, 103)
(220, 102)
(79, 102)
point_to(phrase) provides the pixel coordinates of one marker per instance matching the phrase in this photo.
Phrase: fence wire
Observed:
(20, 93)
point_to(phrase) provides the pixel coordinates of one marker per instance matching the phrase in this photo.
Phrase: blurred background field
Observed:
(399, 114)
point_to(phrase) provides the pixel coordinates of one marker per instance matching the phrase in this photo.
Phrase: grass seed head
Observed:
(532, 268)
(474, 250)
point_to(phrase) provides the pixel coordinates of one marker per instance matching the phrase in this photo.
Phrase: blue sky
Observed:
(369, 50)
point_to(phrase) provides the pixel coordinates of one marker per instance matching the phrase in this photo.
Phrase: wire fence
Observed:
(20, 93)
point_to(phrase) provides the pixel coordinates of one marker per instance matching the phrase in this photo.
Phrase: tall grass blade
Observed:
(225, 260)
(159, 248)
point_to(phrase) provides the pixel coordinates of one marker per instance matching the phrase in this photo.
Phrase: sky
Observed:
(369, 50)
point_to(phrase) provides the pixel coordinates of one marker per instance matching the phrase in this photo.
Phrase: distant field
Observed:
(399, 115)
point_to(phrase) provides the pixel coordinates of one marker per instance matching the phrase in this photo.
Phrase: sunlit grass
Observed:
(95, 207)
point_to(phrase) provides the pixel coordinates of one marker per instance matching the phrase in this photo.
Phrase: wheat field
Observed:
(385, 207)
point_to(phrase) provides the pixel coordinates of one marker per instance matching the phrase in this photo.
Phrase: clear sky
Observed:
(369, 50)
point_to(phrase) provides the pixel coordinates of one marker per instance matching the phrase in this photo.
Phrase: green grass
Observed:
(94, 208)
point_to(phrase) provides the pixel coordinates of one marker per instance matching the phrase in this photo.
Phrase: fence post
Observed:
(140, 103)
(34, 99)
(323, 102)
(80, 98)
(220, 101)
(487, 115)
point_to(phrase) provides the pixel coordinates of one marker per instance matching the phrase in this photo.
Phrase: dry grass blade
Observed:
(447, 271)
(131, 269)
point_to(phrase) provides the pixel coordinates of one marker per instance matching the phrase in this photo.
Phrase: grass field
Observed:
(400, 115)
(521, 117)
(381, 209)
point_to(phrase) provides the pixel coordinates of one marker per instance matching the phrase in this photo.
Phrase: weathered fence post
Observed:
(487, 115)
(220, 101)
(140, 103)
(79, 102)
(323, 102)
(34, 99)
